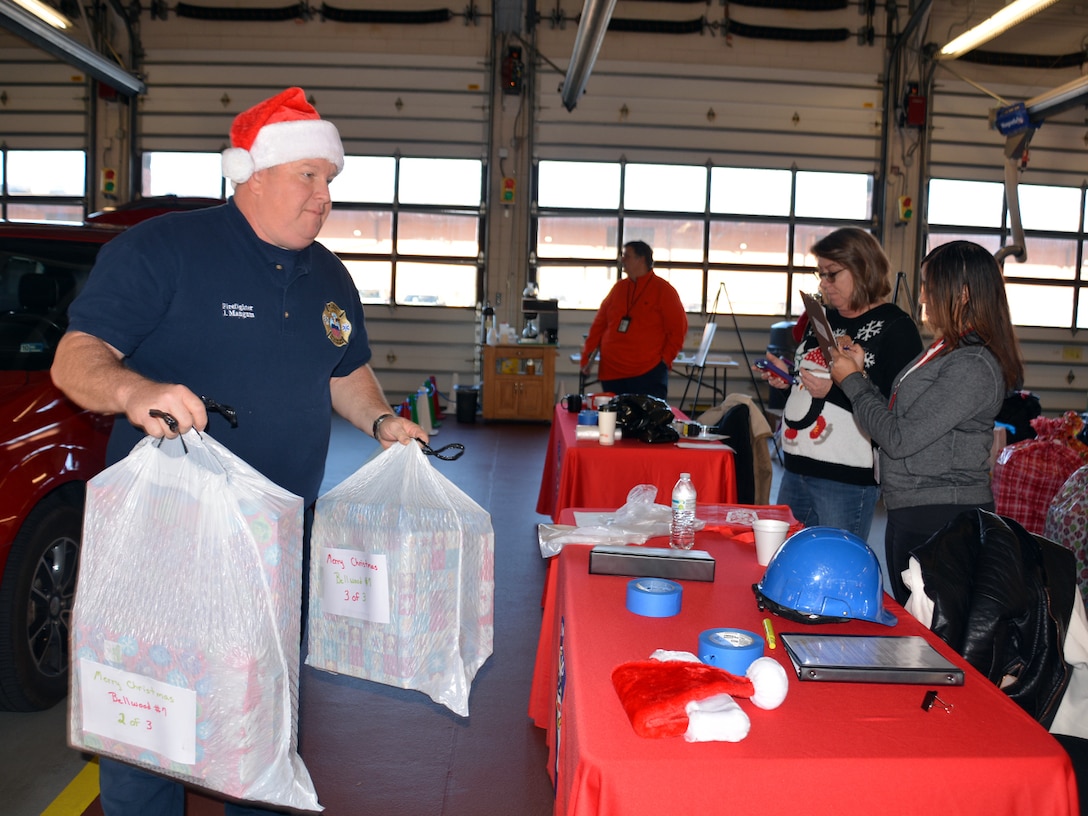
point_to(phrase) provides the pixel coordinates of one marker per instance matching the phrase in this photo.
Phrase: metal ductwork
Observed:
(592, 26)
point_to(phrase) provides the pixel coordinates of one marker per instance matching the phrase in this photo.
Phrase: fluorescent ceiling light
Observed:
(37, 33)
(1013, 14)
(46, 13)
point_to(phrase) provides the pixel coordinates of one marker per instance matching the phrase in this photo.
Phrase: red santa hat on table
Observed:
(675, 694)
(282, 129)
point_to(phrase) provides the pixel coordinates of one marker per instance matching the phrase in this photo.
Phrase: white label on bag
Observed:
(137, 710)
(355, 585)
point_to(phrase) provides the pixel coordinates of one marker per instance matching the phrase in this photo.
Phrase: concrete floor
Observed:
(427, 760)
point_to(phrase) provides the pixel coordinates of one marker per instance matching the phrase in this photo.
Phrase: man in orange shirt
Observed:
(639, 328)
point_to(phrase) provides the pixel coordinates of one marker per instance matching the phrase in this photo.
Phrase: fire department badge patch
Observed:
(337, 325)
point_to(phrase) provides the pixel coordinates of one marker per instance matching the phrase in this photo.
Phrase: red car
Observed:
(49, 448)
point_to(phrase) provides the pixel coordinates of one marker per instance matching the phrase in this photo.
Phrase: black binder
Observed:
(869, 659)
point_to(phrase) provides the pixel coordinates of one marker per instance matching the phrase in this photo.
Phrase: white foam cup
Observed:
(770, 533)
(606, 425)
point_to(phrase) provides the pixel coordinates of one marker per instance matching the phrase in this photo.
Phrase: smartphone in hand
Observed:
(766, 365)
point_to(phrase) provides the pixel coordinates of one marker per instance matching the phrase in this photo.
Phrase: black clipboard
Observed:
(869, 659)
(825, 335)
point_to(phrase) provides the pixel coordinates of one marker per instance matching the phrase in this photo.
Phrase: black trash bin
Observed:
(781, 345)
(467, 400)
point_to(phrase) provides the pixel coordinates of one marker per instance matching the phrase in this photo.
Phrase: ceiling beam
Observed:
(40, 34)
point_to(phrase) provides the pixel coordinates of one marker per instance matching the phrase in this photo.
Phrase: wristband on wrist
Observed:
(376, 427)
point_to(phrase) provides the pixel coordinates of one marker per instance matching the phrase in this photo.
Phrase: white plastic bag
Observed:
(185, 629)
(402, 579)
(639, 520)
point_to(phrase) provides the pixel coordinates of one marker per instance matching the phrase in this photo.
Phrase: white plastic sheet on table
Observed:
(185, 629)
(402, 579)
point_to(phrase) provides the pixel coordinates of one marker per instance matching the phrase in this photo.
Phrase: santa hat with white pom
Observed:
(279, 130)
(675, 694)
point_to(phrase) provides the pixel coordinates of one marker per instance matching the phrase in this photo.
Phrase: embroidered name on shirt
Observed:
(240, 310)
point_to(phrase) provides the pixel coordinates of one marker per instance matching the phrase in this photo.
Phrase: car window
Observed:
(38, 281)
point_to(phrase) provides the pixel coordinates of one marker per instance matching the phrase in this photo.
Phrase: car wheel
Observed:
(36, 607)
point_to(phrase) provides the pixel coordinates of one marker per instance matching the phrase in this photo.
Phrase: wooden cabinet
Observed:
(519, 382)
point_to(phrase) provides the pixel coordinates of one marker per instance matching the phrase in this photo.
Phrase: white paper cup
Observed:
(770, 533)
(606, 425)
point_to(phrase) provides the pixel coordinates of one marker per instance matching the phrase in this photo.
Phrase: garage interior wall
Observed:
(711, 95)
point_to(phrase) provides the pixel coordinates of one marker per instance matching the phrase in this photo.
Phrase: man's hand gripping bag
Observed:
(402, 579)
(185, 629)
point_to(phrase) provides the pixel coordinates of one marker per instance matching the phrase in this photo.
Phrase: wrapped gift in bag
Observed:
(1027, 475)
(1067, 522)
(402, 579)
(185, 629)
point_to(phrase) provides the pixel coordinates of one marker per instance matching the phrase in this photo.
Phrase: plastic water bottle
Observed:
(682, 529)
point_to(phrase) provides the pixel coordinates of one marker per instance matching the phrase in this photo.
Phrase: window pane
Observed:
(1047, 258)
(577, 237)
(182, 174)
(1082, 311)
(834, 195)
(688, 284)
(758, 293)
(583, 185)
(576, 287)
(358, 231)
(423, 284)
(369, 179)
(440, 181)
(51, 213)
(936, 239)
(750, 191)
(965, 203)
(679, 240)
(749, 243)
(1040, 305)
(374, 279)
(438, 234)
(667, 187)
(1049, 208)
(46, 172)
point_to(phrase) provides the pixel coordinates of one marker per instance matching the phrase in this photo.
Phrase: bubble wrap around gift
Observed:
(440, 552)
(191, 575)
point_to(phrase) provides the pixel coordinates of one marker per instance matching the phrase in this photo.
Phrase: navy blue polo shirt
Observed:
(197, 298)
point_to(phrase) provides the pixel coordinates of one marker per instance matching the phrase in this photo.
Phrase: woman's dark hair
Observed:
(860, 252)
(966, 304)
(642, 249)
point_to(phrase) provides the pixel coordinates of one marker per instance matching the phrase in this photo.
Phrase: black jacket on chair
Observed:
(1002, 599)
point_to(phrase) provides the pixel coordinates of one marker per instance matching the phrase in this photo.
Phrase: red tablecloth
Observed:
(832, 748)
(587, 474)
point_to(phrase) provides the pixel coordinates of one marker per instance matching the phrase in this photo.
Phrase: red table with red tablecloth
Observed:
(588, 474)
(848, 749)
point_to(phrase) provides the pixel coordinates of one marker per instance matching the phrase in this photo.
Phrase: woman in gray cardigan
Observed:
(936, 430)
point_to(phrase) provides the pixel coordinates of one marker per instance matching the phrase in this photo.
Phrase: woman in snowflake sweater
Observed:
(829, 478)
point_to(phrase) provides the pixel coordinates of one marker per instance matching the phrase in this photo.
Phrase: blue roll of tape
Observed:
(587, 417)
(654, 597)
(731, 649)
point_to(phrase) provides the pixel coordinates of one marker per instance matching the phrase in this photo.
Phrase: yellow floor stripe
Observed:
(79, 794)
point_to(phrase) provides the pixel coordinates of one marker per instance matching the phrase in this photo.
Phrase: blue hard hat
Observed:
(824, 575)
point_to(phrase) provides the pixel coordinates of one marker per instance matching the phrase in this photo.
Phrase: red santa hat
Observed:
(282, 129)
